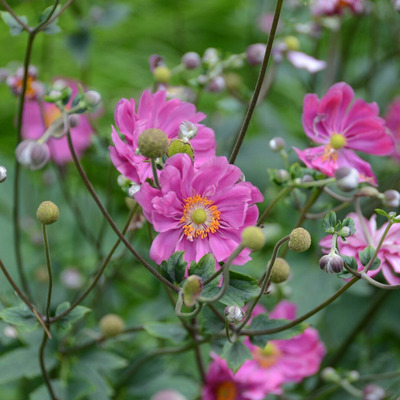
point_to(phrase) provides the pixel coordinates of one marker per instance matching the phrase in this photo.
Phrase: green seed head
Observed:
(280, 271)
(111, 325)
(153, 143)
(300, 240)
(253, 238)
(47, 213)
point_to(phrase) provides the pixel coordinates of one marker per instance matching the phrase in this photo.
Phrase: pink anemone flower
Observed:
(388, 253)
(199, 211)
(336, 7)
(39, 115)
(154, 111)
(343, 127)
(392, 119)
(280, 362)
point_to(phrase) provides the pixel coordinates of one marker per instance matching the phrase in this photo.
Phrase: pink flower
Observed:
(280, 362)
(388, 253)
(342, 128)
(392, 119)
(332, 7)
(199, 211)
(154, 111)
(39, 115)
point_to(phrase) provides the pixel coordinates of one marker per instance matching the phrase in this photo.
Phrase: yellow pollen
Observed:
(337, 141)
(267, 356)
(30, 91)
(226, 391)
(200, 217)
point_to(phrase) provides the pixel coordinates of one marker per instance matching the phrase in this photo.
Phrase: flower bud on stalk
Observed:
(111, 325)
(93, 98)
(3, 174)
(347, 179)
(153, 143)
(329, 374)
(217, 84)
(277, 144)
(280, 271)
(331, 263)
(300, 240)
(255, 53)
(210, 57)
(368, 191)
(373, 392)
(253, 238)
(133, 189)
(191, 60)
(47, 213)
(32, 154)
(391, 198)
(162, 74)
(234, 314)
(282, 176)
(192, 289)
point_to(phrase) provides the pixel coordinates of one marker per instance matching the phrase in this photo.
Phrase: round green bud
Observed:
(292, 43)
(280, 271)
(180, 146)
(47, 213)
(162, 74)
(153, 143)
(253, 238)
(300, 240)
(111, 325)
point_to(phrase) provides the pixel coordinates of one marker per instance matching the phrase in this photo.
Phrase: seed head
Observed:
(300, 240)
(253, 238)
(153, 143)
(280, 271)
(111, 325)
(47, 213)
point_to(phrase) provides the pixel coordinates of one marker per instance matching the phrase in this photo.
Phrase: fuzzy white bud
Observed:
(347, 179)
(187, 130)
(234, 314)
(133, 189)
(3, 173)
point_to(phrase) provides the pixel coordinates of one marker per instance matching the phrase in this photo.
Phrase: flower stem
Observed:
(155, 175)
(271, 205)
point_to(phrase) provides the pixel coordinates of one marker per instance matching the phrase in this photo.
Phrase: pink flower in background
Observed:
(388, 253)
(154, 111)
(34, 88)
(199, 211)
(38, 116)
(332, 7)
(280, 362)
(392, 119)
(343, 127)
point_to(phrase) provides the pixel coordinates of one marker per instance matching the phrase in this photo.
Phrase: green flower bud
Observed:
(47, 213)
(153, 143)
(180, 146)
(192, 289)
(300, 240)
(162, 74)
(253, 238)
(111, 325)
(280, 271)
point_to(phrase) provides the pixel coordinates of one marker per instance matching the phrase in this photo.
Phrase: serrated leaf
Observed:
(242, 288)
(20, 315)
(350, 261)
(235, 354)
(15, 27)
(205, 268)
(75, 315)
(262, 322)
(166, 330)
(329, 222)
(382, 212)
(210, 322)
(366, 255)
(350, 224)
(174, 268)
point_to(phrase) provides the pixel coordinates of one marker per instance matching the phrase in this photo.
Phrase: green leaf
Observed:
(382, 212)
(75, 315)
(74, 389)
(174, 269)
(235, 354)
(210, 322)
(205, 268)
(19, 316)
(166, 330)
(53, 27)
(262, 322)
(350, 261)
(350, 224)
(366, 255)
(15, 27)
(242, 288)
(329, 222)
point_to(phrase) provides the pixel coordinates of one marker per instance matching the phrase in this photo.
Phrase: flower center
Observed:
(200, 217)
(226, 391)
(30, 90)
(337, 141)
(51, 115)
(267, 356)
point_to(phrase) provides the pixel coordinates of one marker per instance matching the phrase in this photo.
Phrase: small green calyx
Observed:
(180, 146)
(199, 216)
(338, 141)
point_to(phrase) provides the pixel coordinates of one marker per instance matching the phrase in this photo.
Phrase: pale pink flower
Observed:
(388, 253)
(392, 119)
(199, 211)
(39, 115)
(343, 127)
(280, 362)
(154, 111)
(336, 7)
(34, 88)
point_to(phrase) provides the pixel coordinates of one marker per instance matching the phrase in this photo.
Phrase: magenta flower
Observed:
(154, 111)
(336, 7)
(343, 127)
(392, 119)
(280, 362)
(39, 115)
(199, 211)
(388, 253)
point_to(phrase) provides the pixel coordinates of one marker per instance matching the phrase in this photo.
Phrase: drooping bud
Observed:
(180, 146)
(373, 392)
(368, 191)
(277, 144)
(280, 271)
(191, 60)
(73, 120)
(168, 395)
(32, 154)
(3, 173)
(255, 53)
(93, 98)
(47, 213)
(253, 238)
(187, 130)
(192, 288)
(234, 314)
(331, 263)
(391, 198)
(217, 84)
(329, 374)
(282, 175)
(162, 74)
(347, 179)
(153, 143)
(300, 240)
(111, 325)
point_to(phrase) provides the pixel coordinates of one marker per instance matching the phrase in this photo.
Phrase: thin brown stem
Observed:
(271, 205)
(15, 16)
(45, 374)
